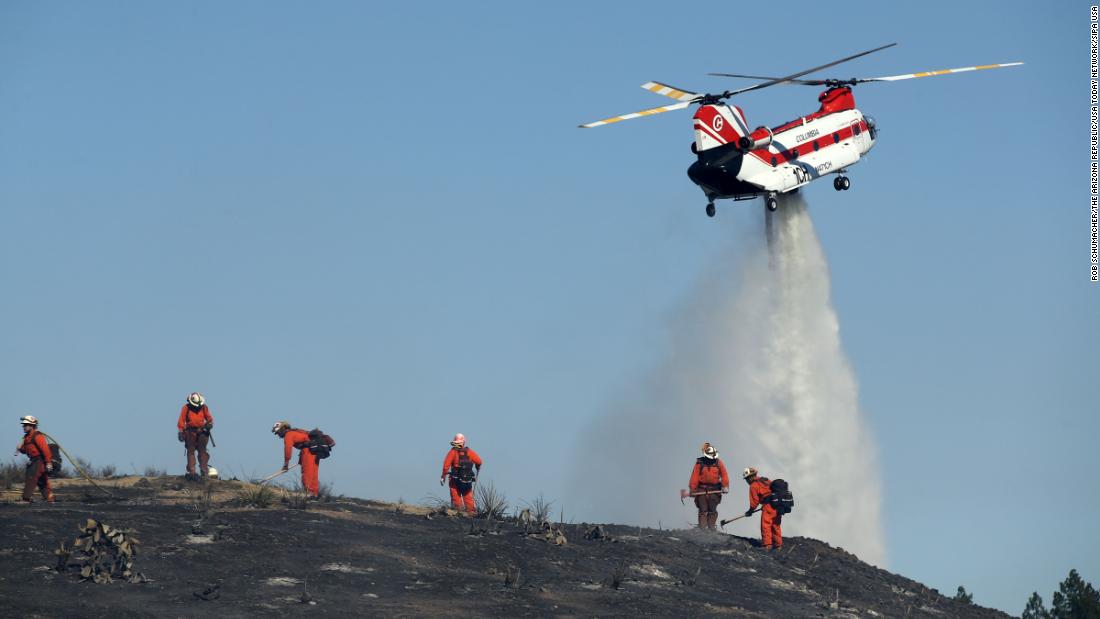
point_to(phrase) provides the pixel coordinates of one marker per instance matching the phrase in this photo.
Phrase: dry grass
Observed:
(260, 497)
(12, 474)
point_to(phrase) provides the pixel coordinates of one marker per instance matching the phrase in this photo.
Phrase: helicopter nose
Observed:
(872, 126)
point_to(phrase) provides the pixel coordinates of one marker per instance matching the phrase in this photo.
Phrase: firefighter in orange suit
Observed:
(194, 425)
(771, 522)
(294, 438)
(35, 446)
(709, 481)
(462, 464)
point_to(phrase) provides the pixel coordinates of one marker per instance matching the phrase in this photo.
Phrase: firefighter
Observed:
(40, 466)
(308, 449)
(709, 481)
(771, 529)
(194, 427)
(463, 465)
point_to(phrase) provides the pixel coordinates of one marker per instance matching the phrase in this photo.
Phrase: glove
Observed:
(286, 467)
(209, 426)
(442, 480)
(749, 513)
(49, 467)
(725, 490)
(180, 436)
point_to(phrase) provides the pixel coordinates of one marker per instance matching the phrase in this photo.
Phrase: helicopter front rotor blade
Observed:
(909, 76)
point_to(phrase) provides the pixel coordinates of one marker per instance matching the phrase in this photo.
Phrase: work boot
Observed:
(703, 520)
(712, 520)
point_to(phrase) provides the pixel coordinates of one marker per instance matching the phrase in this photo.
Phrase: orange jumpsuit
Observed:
(38, 450)
(771, 523)
(192, 421)
(309, 462)
(462, 495)
(708, 475)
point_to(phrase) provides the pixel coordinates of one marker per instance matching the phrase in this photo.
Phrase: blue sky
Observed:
(382, 220)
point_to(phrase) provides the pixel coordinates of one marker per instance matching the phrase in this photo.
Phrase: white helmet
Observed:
(196, 400)
(280, 426)
(709, 451)
(749, 472)
(459, 440)
(211, 472)
(28, 420)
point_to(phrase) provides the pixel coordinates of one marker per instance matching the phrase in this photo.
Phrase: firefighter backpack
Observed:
(320, 444)
(55, 459)
(781, 498)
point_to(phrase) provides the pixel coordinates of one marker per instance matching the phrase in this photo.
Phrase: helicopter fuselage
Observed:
(735, 163)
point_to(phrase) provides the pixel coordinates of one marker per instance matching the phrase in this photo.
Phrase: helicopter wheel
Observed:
(838, 184)
(771, 203)
(845, 183)
(710, 209)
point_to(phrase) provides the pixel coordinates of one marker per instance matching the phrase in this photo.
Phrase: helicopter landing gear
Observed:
(771, 202)
(841, 183)
(710, 209)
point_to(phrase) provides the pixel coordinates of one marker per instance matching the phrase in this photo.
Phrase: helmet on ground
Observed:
(749, 472)
(211, 472)
(28, 420)
(196, 400)
(459, 440)
(280, 426)
(709, 451)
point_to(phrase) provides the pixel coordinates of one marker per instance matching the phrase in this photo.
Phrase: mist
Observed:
(753, 363)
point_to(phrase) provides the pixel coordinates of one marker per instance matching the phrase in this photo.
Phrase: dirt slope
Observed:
(355, 558)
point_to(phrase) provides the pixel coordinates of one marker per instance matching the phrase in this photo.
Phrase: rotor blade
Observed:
(807, 71)
(670, 91)
(909, 76)
(649, 112)
(761, 77)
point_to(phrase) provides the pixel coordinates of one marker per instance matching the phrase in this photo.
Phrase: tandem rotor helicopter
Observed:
(737, 163)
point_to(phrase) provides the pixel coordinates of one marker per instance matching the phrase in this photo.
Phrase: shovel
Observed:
(274, 475)
(686, 493)
(725, 522)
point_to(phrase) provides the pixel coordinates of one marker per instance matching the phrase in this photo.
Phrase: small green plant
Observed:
(540, 509)
(491, 503)
(256, 496)
(962, 596)
(294, 499)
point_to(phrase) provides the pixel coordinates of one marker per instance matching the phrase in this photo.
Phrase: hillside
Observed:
(350, 557)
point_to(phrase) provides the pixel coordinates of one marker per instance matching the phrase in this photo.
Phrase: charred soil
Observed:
(205, 553)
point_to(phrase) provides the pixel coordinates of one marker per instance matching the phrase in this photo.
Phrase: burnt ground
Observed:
(353, 558)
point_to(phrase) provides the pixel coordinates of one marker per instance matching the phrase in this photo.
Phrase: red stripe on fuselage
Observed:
(806, 148)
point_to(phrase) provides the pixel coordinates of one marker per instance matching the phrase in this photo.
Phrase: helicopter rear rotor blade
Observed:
(792, 76)
(649, 112)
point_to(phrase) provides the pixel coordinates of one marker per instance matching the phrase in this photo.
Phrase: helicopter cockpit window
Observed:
(856, 130)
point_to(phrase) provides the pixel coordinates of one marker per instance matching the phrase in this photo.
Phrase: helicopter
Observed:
(737, 163)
